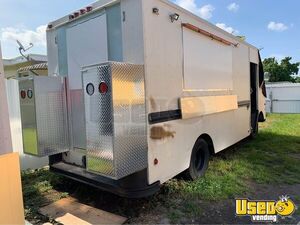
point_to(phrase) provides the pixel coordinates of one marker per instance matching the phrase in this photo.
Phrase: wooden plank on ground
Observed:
(69, 211)
(11, 200)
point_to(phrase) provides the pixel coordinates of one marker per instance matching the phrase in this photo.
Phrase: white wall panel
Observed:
(283, 98)
(132, 32)
(52, 53)
(5, 137)
(214, 66)
(87, 44)
(207, 63)
(27, 161)
(253, 54)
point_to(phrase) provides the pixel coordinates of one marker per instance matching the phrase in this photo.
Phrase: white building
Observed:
(283, 98)
(13, 68)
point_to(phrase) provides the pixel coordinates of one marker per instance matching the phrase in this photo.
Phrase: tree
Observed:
(281, 72)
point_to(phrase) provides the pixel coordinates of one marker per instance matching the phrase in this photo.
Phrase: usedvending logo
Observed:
(265, 211)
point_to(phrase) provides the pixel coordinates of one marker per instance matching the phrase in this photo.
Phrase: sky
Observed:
(271, 25)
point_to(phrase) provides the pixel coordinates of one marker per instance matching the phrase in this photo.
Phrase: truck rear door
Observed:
(86, 45)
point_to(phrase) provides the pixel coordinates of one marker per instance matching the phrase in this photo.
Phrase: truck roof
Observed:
(100, 4)
(96, 6)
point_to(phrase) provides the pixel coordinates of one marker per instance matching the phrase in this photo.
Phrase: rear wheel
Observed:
(199, 160)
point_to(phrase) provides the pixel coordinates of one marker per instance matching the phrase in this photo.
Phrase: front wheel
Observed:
(254, 125)
(199, 160)
(261, 118)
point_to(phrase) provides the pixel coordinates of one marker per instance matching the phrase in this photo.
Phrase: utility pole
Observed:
(11, 199)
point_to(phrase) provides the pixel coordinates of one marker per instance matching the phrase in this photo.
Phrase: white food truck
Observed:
(139, 91)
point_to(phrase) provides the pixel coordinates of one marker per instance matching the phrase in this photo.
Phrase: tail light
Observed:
(23, 94)
(90, 89)
(103, 88)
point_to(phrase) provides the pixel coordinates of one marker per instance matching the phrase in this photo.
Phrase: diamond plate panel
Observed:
(130, 142)
(28, 118)
(99, 122)
(115, 121)
(45, 132)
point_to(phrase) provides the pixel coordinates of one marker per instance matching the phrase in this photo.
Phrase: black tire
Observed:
(254, 131)
(261, 118)
(199, 160)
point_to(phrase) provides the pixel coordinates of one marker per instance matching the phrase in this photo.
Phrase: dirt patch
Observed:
(220, 212)
(295, 156)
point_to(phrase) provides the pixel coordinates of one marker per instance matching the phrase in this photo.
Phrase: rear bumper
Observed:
(133, 186)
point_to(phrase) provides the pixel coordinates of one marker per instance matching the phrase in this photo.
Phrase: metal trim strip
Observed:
(208, 34)
(244, 103)
(165, 116)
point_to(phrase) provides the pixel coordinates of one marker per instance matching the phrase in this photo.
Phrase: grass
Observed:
(296, 199)
(39, 190)
(272, 158)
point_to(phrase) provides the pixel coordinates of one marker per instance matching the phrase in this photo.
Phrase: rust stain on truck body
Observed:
(160, 132)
